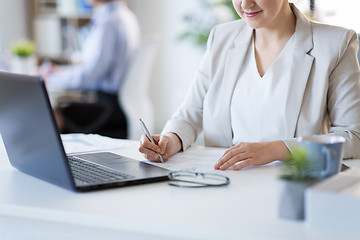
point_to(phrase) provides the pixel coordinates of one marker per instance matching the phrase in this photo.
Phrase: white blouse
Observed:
(257, 104)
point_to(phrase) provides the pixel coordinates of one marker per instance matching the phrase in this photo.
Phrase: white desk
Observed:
(246, 209)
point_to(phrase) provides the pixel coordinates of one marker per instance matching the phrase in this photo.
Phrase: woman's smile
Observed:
(252, 14)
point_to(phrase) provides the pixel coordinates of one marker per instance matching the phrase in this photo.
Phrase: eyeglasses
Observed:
(197, 179)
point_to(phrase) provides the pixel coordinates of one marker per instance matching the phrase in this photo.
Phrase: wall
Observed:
(176, 61)
(14, 16)
(343, 13)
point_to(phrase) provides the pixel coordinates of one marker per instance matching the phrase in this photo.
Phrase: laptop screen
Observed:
(29, 131)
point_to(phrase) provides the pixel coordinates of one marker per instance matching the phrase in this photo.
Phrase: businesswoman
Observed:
(265, 80)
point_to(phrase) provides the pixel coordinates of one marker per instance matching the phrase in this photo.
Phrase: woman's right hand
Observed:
(166, 144)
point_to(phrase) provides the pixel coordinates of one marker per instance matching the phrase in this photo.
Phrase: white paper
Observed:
(193, 159)
(77, 143)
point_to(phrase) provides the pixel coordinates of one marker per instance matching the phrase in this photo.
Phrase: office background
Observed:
(176, 61)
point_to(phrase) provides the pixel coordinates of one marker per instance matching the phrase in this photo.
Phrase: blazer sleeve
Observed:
(187, 121)
(343, 98)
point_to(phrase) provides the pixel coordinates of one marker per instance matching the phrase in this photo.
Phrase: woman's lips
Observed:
(251, 14)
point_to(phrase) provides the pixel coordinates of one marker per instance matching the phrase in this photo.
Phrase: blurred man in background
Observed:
(105, 57)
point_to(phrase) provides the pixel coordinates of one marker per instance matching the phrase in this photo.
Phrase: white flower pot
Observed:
(23, 65)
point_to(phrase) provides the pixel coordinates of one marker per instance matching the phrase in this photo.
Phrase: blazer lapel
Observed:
(234, 63)
(299, 71)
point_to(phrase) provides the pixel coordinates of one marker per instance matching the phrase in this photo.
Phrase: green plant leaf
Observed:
(199, 30)
(23, 48)
(299, 166)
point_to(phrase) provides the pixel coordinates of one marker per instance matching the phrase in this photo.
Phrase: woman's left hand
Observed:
(252, 154)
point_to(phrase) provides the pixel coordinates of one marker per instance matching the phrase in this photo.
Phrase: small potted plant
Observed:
(296, 177)
(23, 59)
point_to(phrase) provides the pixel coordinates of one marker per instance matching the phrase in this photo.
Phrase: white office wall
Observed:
(343, 13)
(13, 22)
(176, 61)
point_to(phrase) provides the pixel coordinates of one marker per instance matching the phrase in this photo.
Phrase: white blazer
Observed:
(324, 97)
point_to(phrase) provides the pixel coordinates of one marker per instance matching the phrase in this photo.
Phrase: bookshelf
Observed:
(57, 28)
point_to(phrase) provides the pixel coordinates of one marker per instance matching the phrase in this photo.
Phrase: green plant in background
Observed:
(23, 48)
(299, 167)
(228, 4)
(199, 26)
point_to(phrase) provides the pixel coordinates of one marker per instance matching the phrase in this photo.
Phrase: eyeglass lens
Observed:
(196, 179)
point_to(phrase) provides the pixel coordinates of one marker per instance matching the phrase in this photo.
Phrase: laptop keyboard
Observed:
(91, 173)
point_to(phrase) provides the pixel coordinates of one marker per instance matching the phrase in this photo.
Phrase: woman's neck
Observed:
(281, 29)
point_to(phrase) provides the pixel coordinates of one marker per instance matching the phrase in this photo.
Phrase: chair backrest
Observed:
(134, 94)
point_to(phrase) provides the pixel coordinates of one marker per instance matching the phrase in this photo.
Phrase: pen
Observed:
(148, 135)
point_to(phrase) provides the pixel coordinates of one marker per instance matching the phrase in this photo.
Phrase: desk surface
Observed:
(246, 209)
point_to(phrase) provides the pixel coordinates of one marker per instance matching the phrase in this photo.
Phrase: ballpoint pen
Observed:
(148, 135)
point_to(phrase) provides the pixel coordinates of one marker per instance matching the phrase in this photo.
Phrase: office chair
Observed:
(134, 95)
(91, 112)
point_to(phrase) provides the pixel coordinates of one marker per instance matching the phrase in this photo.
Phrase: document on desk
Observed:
(78, 143)
(196, 158)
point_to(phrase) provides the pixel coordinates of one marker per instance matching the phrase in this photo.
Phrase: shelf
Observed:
(56, 27)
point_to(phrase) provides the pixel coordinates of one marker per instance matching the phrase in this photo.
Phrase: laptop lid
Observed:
(33, 142)
(29, 132)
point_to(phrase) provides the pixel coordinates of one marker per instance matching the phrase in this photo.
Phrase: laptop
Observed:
(33, 144)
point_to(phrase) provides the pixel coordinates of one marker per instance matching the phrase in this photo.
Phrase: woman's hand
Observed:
(252, 154)
(167, 145)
